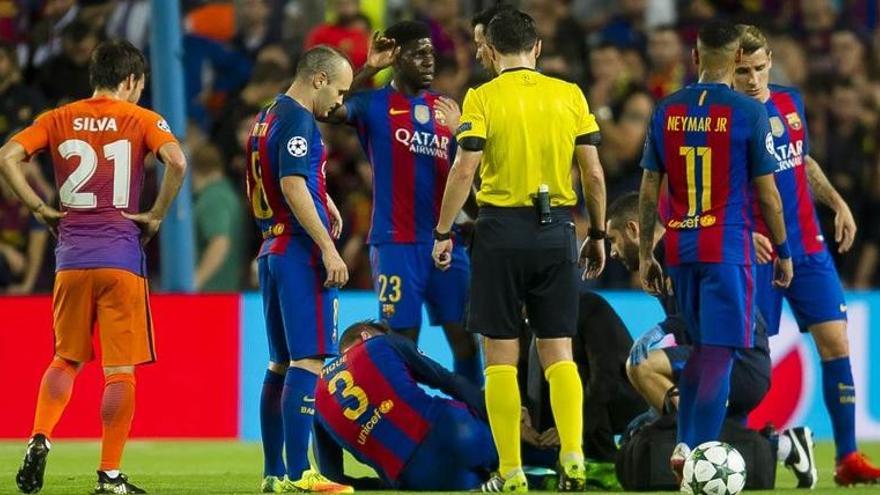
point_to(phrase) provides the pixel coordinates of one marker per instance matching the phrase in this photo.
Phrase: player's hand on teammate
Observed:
(527, 432)
(149, 223)
(451, 112)
(442, 254)
(335, 219)
(844, 228)
(382, 53)
(763, 248)
(337, 272)
(592, 258)
(783, 271)
(651, 275)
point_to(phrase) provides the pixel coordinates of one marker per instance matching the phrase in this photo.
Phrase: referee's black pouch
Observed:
(643, 459)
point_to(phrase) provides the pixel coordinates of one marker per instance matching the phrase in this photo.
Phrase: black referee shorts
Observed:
(517, 262)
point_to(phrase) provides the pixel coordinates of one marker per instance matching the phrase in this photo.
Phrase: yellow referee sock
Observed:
(567, 402)
(503, 406)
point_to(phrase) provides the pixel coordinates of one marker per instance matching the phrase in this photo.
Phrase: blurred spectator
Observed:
(848, 57)
(44, 39)
(267, 80)
(212, 72)
(627, 28)
(448, 79)
(255, 27)
(23, 240)
(666, 60)
(450, 32)
(130, 20)
(212, 20)
(219, 224)
(610, 79)
(789, 66)
(564, 42)
(19, 103)
(623, 136)
(850, 157)
(349, 32)
(817, 21)
(65, 77)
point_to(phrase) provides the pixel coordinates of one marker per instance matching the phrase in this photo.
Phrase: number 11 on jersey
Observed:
(691, 154)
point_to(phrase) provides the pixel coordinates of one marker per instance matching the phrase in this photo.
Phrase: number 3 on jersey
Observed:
(348, 392)
(690, 154)
(118, 152)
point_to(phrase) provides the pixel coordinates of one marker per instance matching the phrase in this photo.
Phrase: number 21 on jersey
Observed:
(691, 155)
(117, 152)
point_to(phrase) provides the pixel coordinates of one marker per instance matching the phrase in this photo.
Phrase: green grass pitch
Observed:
(225, 467)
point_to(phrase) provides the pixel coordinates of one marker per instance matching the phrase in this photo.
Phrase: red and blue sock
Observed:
(703, 391)
(272, 425)
(298, 411)
(840, 399)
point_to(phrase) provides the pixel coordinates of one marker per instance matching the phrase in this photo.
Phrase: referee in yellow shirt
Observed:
(522, 130)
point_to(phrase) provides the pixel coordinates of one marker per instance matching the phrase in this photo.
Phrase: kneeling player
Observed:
(369, 401)
(655, 371)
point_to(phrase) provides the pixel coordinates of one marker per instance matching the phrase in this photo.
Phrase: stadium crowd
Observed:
(238, 55)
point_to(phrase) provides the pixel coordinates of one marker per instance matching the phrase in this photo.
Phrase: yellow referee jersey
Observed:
(527, 124)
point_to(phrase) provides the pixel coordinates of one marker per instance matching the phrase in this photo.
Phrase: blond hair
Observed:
(751, 39)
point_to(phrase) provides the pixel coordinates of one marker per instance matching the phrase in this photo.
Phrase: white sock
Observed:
(112, 474)
(784, 448)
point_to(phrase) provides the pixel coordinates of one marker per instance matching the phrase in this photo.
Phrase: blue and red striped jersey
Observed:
(285, 141)
(710, 142)
(791, 145)
(411, 150)
(369, 401)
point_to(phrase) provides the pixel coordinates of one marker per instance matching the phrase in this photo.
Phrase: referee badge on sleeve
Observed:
(464, 127)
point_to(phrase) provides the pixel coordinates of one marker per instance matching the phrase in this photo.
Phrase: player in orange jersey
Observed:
(98, 146)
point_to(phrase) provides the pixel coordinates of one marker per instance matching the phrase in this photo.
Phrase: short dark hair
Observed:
(321, 58)
(113, 62)
(77, 31)
(405, 31)
(511, 32)
(718, 34)
(268, 72)
(624, 208)
(485, 16)
(351, 334)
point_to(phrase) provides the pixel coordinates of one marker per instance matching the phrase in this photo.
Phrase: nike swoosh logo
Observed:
(308, 399)
(803, 463)
(397, 112)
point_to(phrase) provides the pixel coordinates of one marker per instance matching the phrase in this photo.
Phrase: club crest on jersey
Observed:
(422, 114)
(298, 146)
(776, 126)
(794, 120)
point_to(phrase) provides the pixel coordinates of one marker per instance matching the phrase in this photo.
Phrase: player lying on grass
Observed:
(369, 402)
(655, 371)
(815, 294)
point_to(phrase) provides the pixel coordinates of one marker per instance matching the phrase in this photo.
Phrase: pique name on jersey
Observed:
(423, 143)
(789, 155)
(687, 123)
(91, 124)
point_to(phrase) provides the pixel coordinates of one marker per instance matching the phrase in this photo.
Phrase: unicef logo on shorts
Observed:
(298, 146)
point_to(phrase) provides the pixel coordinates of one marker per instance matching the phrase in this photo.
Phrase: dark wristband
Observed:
(596, 234)
(442, 236)
(783, 251)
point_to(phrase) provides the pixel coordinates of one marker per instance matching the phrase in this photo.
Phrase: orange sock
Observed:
(55, 390)
(117, 411)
